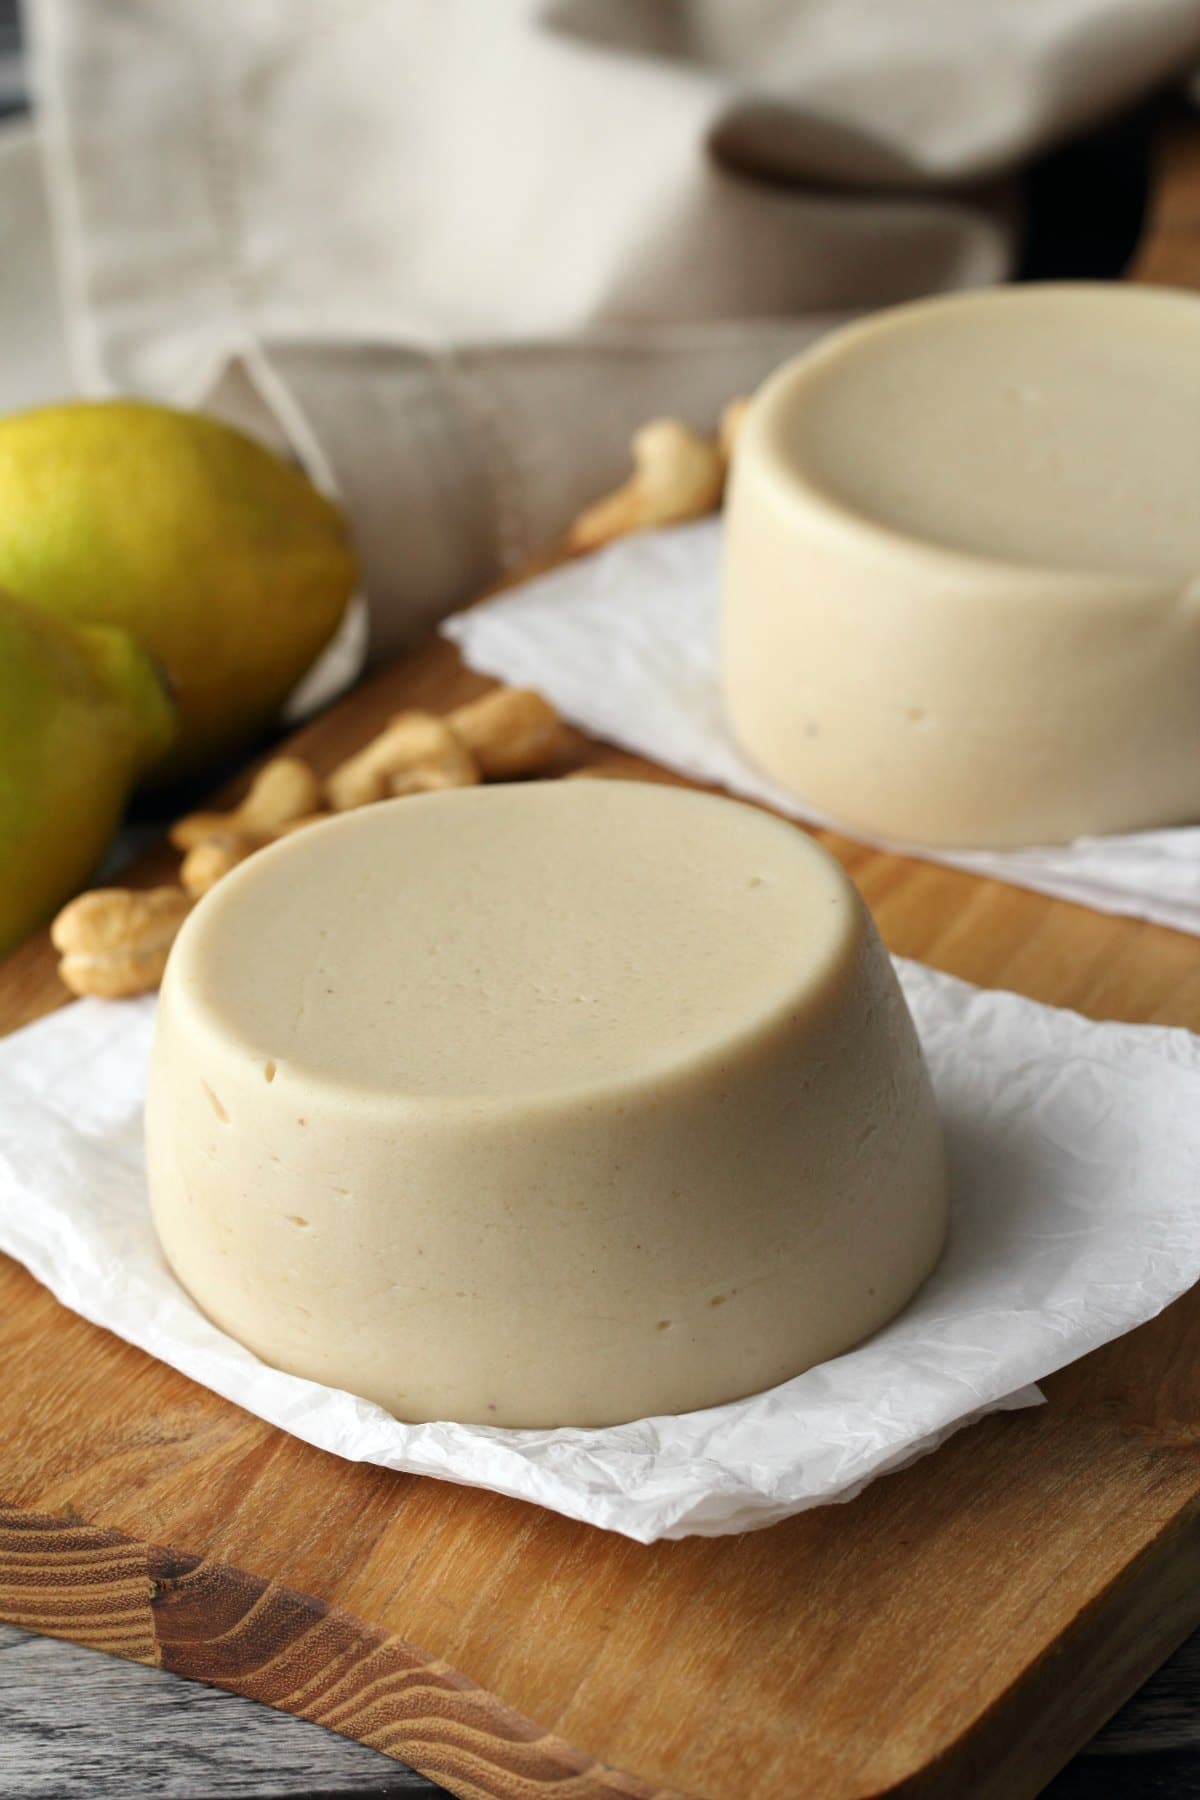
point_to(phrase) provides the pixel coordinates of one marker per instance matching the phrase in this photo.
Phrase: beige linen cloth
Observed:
(452, 251)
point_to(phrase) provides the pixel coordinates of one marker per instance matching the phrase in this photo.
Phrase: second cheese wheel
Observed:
(962, 593)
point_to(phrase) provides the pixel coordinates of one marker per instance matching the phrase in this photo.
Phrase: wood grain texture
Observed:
(1169, 253)
(209, 1622)
(959, 1629)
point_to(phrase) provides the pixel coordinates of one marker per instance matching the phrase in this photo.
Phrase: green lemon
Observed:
(83, 711)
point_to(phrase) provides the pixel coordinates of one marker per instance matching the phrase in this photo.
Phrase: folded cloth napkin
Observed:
(1075, 1179)
(453, 254)
(624, 642)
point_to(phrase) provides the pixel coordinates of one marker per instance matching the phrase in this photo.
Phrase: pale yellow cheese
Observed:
(563, 1103)
(963, 568)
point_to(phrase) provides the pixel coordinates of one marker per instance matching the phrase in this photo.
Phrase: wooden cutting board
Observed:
(960, 1629)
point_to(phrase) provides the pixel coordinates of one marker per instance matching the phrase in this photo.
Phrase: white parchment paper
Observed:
(1075, 1163)
(624, 642)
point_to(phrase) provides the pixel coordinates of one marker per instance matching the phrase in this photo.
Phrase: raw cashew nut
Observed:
(413, 740)
(426, 778)
(114, 941)
(284, 789)
(677, 475)
(214, 856)
(510, 731)
(207, 861)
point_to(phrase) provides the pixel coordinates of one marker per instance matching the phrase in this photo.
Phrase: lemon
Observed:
(220, 558)
(83, 711)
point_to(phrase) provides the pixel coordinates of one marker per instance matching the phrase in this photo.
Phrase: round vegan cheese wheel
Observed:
(962, 589)
(566, 1103)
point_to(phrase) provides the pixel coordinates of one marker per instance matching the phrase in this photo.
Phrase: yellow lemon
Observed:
(220, 558)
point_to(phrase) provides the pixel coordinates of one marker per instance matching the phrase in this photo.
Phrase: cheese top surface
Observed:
(1055, 427)
(518, 941)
